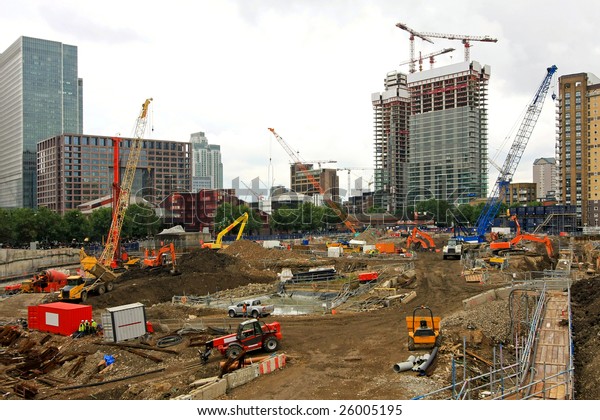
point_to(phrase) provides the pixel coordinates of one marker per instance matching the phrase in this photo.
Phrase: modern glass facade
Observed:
(77, 168)
(40, 96)
(448, 133)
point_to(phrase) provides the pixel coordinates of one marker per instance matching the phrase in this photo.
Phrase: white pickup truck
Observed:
(254, 308)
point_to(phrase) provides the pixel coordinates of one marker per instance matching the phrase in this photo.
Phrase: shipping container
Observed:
(386, 247)
(58, 317)
(124, 322)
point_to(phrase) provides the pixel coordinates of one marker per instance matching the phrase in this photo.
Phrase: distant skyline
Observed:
(233, 68)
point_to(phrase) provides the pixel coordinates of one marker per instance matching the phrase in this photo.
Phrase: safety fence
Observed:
(512, 375)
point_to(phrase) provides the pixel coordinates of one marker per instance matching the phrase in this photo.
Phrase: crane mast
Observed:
(512, 160)
(114, 234)
(412, 33)
(332, 204)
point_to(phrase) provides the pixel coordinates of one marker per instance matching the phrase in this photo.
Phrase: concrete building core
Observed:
(391, 113)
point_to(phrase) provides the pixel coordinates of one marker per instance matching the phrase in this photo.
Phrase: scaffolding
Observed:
(519, 374)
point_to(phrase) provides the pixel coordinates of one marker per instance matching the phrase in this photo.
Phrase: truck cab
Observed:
(453, 249)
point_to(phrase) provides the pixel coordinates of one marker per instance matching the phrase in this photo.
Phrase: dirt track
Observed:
(348, 355)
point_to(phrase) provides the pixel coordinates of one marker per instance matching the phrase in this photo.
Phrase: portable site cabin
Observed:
(124, 322)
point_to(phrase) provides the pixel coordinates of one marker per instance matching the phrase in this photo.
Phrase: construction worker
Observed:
(87, 327)
(245, 310)
(93, 327)
(81, 327)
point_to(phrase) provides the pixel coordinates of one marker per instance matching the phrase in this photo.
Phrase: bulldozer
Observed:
(423, 330)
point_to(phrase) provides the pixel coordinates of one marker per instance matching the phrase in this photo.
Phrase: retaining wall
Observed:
(236, 378)
(488, 296)
(19, 262)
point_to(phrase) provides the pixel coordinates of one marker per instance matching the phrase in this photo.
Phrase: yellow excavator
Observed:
(218, 243)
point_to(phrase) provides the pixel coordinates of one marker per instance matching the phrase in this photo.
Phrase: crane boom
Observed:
(431, 56)
(412, 33)
(332, 204)
(114, 234)
(464, 38)
(512, 159)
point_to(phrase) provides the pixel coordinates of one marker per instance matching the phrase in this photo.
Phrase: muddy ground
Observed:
(346, 355)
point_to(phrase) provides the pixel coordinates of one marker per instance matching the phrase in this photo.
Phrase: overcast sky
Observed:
(233, 68)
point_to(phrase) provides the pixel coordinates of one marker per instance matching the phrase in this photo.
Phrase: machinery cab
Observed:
(74, 285)
(423, 330)
(249, 335)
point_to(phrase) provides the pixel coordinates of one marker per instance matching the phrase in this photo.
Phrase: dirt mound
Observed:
(202, 272)
(585, 295)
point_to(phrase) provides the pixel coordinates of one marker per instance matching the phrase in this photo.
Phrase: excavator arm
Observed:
(533, 238)
(243, 220)
(420, 237)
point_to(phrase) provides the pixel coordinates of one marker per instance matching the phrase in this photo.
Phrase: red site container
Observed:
(58, 317)
(363, 277)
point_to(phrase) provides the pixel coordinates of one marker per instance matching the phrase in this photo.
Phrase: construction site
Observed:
(359, 313)
(505, 331)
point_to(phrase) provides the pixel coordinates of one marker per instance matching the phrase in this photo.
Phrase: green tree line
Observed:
(19, 227)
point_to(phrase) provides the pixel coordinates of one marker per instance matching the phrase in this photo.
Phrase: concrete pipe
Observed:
(420, 361)
(403, 366)
(423, 368)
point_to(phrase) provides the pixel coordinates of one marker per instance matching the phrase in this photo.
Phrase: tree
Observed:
(24, 226)
(141, 221)
(284, 219)
(48, 224)
(77, 226)
(6, 229)
(100, 221)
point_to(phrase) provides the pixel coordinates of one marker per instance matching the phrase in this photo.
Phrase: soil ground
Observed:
(346, 355)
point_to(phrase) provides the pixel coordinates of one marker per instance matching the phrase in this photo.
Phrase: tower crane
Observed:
(302, 165)
(430, 56)
(413, 34)
(114, 233)
(509, 167)
(466, 40)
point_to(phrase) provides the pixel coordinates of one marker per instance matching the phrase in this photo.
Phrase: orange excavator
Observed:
(420, 240)
(507, 247)
(160, 260)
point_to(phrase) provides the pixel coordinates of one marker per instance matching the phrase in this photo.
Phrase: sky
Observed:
(234, 68)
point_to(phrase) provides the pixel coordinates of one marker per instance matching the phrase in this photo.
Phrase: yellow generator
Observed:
(423, 331)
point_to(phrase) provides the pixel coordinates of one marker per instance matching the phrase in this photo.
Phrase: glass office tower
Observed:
(40, 97)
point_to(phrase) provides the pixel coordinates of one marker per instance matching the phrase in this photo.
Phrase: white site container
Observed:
(335, 251)
(271, 244)
(124, 322)
(367, 249)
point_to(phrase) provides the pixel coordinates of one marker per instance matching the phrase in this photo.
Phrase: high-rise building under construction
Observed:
(431, 136)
